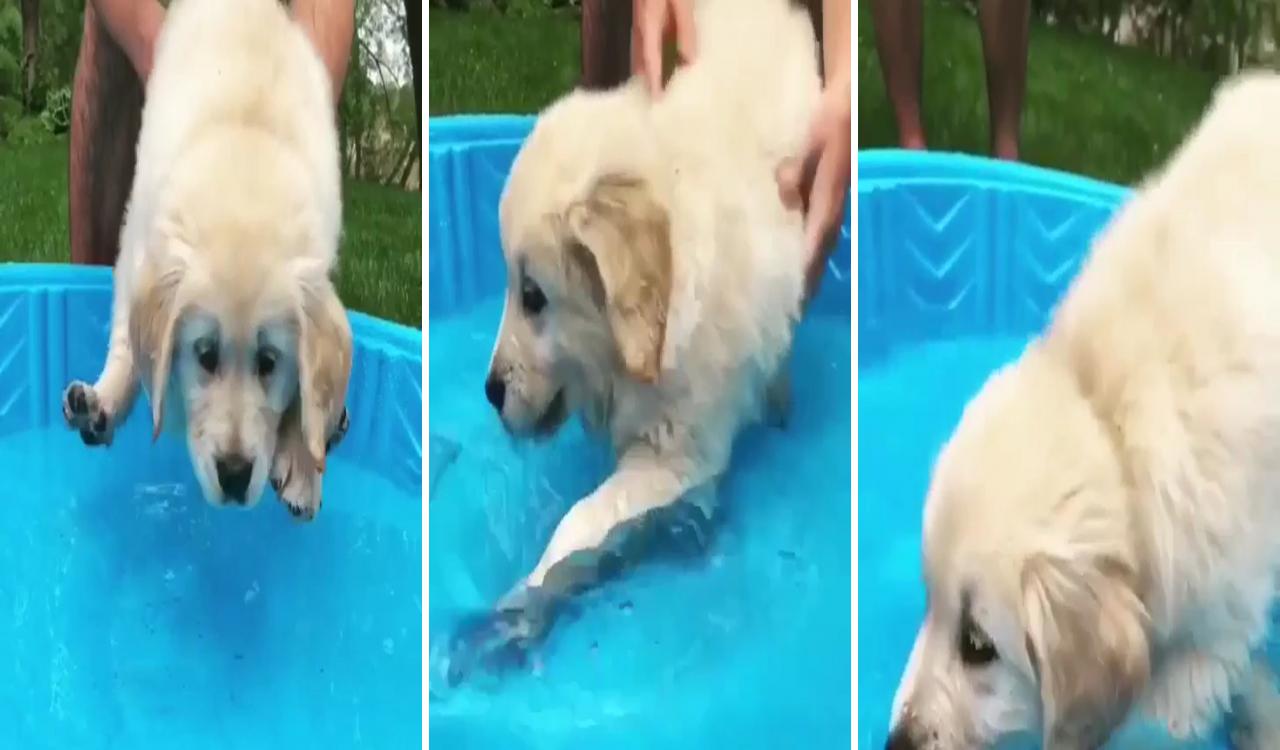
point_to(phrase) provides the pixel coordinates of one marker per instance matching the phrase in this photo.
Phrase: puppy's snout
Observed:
(901, 739)
(234, 472)
(495, 389)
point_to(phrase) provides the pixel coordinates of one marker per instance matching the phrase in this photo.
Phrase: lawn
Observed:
(1091, 107)
(381, 266)
(484, 62)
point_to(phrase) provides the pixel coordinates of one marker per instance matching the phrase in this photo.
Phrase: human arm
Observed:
(819, 180)
(652, 23)
(134, 25)
(329, 24)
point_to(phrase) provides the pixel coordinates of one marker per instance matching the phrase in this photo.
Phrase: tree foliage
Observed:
(377, 115)
(1218, 36)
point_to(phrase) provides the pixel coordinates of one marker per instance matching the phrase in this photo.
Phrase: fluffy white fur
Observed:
(1100, 535)
(671, 274)
(229, 238)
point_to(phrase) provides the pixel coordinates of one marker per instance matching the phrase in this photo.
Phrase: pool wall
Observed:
(55, 320)
(469, 157)
(952, 245)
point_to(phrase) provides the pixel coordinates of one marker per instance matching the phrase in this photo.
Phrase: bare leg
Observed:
(1004, 25)
(606, 43)
(899, 28)
(106, 113)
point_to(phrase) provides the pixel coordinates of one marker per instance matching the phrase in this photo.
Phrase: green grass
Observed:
(381, 262)
(483, 62)
(1091, 107)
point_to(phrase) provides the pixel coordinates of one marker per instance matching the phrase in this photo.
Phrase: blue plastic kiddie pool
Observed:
(960, 261)
(746, 645)
(135, 615)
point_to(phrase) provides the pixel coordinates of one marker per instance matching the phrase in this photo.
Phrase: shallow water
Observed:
(133, 614)
(908, 404)
(747, 644)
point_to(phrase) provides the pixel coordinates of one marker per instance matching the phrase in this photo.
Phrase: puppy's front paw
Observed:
(297, 483)
(501, 640)
(1255, 720)
(85, 412)
(1191, 693)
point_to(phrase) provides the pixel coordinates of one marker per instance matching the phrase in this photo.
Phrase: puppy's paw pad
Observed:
(83, 411)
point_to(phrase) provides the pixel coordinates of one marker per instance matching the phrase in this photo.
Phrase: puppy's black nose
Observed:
(496, 391)
(234, 473)
(900, 740)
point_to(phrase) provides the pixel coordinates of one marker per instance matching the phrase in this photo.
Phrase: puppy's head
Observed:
(1034, 623)
(233, 309)
(587, 243)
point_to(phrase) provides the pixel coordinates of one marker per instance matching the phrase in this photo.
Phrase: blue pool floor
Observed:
(745, 646)
(908, 405)
(133, 614)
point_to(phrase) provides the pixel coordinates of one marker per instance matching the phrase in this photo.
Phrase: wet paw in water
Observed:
(497, 642)
(492, 643)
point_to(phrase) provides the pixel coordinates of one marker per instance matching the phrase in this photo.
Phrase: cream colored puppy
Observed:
(654, 274)
(222, 288)
(1102, 532)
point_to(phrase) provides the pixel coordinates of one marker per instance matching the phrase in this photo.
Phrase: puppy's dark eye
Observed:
(531, 297)
(265, 362)
(976, 648)
(206, 351)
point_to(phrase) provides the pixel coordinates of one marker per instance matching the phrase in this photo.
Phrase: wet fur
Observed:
(231, 232)
(673, 273)
(1107, 508)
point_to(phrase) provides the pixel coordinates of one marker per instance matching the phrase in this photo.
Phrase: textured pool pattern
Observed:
(133, 614)
(746, 645)
(961, 261)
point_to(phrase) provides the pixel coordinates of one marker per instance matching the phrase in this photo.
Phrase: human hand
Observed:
(818, 181)
(330, 25)
(652, 23)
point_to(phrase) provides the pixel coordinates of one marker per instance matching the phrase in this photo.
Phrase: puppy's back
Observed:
(228, 64)
(756, 80)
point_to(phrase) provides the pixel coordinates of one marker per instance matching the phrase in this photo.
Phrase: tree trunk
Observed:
(405, 170)
(30, 50)
(413, 24)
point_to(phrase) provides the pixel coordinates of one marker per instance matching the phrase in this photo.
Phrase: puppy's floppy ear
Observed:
(624, 249)
(324, 361)
(154, 310)
(1087, 642)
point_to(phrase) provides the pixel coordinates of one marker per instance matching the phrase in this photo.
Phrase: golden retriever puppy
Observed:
(654, 275)
(1102, 531)
(222, 288)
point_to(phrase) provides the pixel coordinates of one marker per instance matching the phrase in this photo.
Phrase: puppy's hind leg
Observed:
(96, 409)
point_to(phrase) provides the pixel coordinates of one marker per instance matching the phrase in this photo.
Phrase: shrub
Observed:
(10, 113)
(29, 131)
(56, 116)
